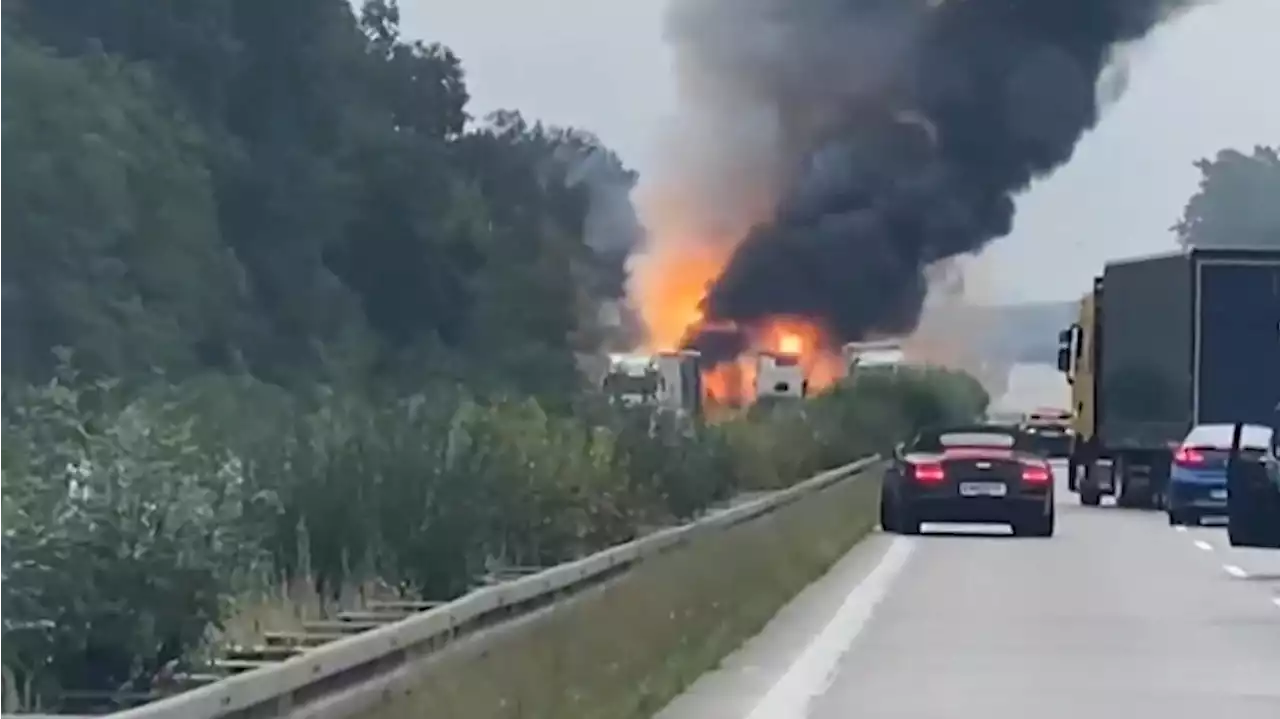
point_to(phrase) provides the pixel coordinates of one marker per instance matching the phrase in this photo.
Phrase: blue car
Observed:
(1198, 476)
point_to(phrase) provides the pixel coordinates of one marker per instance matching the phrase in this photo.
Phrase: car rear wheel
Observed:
(1038, 525)
(906, 520)
(888, 522)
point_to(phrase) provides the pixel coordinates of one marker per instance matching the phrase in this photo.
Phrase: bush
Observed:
(131, 526)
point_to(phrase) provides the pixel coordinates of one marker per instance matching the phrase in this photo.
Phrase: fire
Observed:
(801, 336)
(668, 285)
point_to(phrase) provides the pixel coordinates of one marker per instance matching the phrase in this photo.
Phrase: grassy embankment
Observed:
(629, 647)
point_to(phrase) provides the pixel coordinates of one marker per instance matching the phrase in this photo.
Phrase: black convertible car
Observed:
(973, 473)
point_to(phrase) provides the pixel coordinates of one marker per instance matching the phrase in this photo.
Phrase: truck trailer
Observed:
(1161, 344)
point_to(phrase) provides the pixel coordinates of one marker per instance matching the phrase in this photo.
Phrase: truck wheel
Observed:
(1090, 495)
(1125, 496)
(1033, 524)
(1090, 492)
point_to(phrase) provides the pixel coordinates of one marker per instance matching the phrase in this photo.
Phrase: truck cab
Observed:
(1078, 347)
(780, 375)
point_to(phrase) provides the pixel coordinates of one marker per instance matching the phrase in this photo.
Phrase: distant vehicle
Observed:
(872, 354)
(970, 473)
(1198, 477)
(1005, 417)
(1050, 431)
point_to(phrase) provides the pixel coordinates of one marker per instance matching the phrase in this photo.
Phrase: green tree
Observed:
(113, 244)
(365, 228)
(1236, 204)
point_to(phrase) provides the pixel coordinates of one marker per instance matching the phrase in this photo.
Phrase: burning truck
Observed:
(884, 355)
(679, 381)
(670, 380)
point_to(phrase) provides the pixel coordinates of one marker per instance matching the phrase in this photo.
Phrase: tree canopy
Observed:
(292, 189)
(1236, 204)
(287, 328)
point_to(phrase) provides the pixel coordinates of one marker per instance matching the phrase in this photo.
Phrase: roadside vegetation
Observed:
(286, 328)
(140, 526)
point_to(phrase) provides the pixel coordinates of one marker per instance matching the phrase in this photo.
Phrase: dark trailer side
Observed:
(1187, 338)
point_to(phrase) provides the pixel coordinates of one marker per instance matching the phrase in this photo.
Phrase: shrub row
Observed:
(133, 521)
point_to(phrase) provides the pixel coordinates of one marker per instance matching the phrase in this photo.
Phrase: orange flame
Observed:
(667, 287)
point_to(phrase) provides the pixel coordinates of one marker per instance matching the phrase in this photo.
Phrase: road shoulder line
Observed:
(733, 689)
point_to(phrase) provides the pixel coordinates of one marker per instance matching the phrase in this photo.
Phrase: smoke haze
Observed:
(842, 147)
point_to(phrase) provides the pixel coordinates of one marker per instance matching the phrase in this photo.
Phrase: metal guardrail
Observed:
(292, 687)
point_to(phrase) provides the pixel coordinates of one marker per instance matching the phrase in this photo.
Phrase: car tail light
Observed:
(1188, 457)
(1036, 474)
(928, 473)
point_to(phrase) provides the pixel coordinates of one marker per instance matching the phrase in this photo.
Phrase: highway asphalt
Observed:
(1117, 616)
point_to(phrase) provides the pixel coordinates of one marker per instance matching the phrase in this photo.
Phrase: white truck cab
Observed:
(780, 374)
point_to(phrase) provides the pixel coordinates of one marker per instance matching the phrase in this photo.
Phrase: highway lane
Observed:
(1118, 615)
(1260, 567)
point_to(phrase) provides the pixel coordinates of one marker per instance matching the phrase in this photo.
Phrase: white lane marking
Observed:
(1204, 545)
(1275, 601)
(812, 671)
(1235, 571)
(1180, 528)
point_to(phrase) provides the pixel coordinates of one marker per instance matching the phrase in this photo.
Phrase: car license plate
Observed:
(982, 489)
(1218, 494)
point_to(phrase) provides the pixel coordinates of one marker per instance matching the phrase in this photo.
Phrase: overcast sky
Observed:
(1196, 86)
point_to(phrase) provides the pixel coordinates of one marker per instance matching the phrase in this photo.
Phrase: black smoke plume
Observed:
(904, 130)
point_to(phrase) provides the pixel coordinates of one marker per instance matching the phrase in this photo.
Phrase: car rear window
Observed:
(976, 439)
(1218, 436)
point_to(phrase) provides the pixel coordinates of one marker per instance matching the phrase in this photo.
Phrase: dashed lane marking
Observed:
(1235, 571)
(1180, 528)
(1200, 543)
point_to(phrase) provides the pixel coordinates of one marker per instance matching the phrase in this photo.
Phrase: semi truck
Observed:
(1161, 344)
(780, 375)
(886, 354)
(670, 380)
